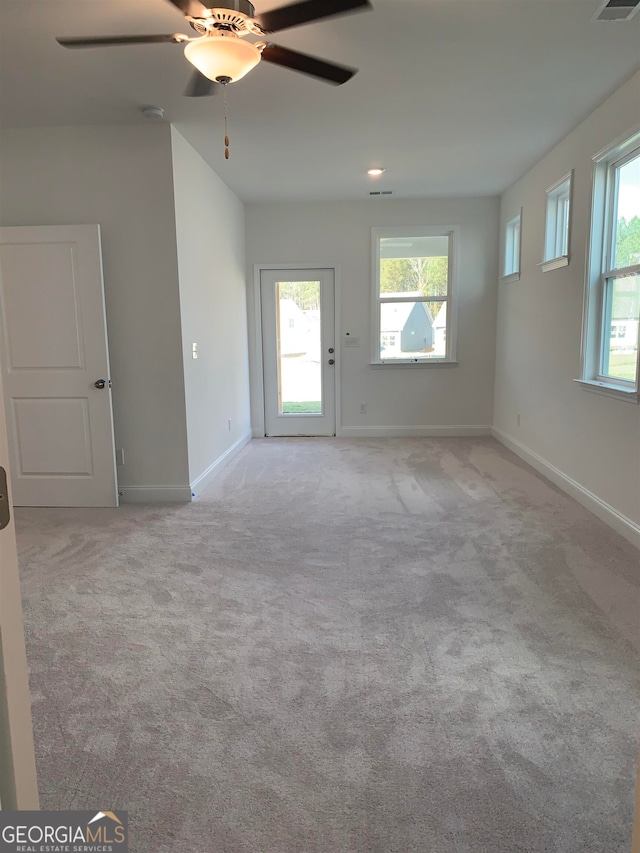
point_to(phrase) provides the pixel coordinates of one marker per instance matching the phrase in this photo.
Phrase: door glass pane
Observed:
(299, 348)
(621, 336)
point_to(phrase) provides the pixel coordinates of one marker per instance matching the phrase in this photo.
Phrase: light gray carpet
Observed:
(363, 646)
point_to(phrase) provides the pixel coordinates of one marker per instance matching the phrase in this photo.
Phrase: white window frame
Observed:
(452, 232)
(596, 319)
(512, 248)
(557, 230)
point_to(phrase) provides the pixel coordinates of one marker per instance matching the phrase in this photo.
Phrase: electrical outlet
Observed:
(229, 424)
(363, 408)
(194, 350)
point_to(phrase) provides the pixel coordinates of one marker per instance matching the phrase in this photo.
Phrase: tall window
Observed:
(413, 293)
(610, 348)
(511, 256)
(556, 238)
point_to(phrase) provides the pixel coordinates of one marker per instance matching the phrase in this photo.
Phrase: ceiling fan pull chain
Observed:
(226, 132)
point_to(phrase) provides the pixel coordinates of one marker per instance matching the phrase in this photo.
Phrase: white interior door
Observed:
(298, 351)
(55, 366)
(18, 787)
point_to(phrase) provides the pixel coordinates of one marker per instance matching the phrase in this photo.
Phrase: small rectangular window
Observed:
(413, 290)
(612, 294)
(556, 240)
(512, 243)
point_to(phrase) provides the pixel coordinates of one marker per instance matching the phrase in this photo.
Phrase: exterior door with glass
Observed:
(298, 351)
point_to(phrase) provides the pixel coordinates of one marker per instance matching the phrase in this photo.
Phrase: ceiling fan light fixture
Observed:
(222, 57)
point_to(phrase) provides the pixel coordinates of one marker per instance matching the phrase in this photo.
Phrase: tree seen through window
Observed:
(426, 276)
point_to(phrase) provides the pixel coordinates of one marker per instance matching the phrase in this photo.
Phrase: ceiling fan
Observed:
(222, 54)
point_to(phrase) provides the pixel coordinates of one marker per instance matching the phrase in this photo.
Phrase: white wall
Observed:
(590, 442)
(121, 178)
(210, 239)
(399, 400)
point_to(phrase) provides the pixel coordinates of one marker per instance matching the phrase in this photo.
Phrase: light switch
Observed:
(194, 350)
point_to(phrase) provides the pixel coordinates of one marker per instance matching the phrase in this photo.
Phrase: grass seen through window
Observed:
(312, 407)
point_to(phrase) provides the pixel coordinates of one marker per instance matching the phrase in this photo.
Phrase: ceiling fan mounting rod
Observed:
(242, 6)
(237, 16)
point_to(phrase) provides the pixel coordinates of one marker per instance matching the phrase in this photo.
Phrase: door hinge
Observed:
(5, 513)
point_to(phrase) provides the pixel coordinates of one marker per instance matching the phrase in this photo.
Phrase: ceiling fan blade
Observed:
(306, 11)
(199, 86)
(190, 7)
(328, 71)
(103, 41)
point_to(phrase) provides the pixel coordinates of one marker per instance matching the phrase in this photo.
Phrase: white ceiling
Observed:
(453, 97)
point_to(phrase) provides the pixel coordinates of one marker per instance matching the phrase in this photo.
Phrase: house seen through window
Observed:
(413, 292)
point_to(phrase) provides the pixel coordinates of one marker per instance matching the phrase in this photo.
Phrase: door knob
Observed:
(332, 361)
(100, 383)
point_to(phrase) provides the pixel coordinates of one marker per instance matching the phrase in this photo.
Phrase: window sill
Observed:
(555, 263)
(442, 362)
(609, 390)
(507, 279)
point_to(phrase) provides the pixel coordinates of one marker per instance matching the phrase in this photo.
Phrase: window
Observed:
(556, 238)
(612, 296)
(512, 236)
(413, 295)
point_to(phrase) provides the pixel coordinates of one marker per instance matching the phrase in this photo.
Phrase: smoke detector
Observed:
(153, 113)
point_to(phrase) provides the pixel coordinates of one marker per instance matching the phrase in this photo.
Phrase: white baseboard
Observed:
(201, 482)
(154, 494)
(411, 432)
(181, 494)
(604, 511)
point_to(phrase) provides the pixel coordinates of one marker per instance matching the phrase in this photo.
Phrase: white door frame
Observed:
(257, 375)
(18, 782)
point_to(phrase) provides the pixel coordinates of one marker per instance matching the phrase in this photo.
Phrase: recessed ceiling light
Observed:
(375, 172)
